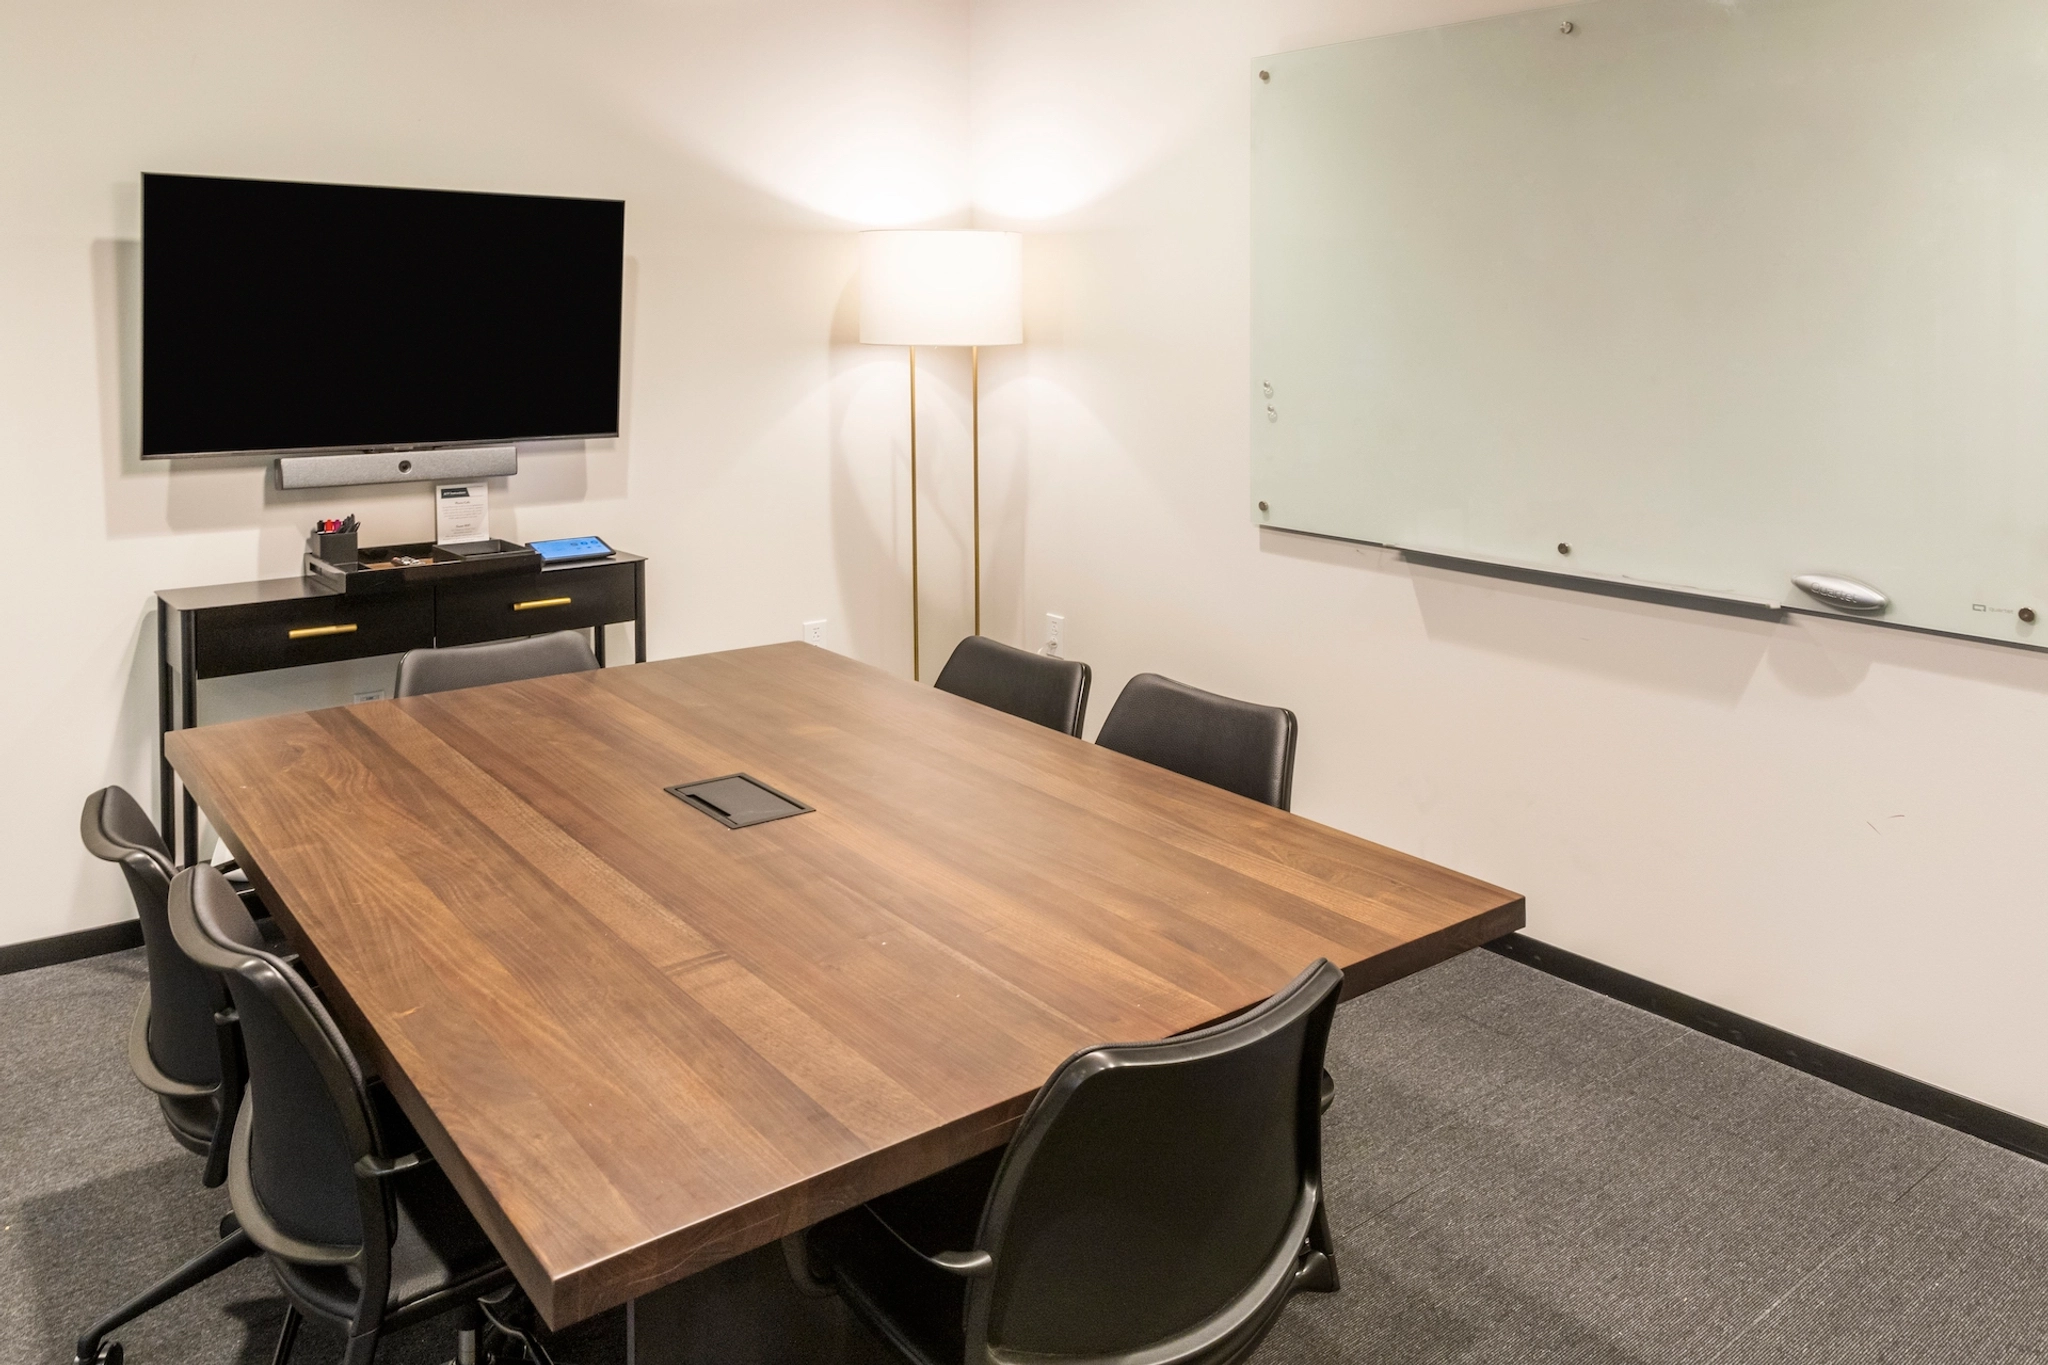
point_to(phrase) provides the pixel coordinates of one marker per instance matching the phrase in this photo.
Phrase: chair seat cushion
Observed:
(437, 1249)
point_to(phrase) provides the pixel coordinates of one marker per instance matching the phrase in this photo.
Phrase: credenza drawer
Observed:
(477, 609)
(309, 630)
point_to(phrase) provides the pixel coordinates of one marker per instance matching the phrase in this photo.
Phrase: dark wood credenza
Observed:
(232, 628)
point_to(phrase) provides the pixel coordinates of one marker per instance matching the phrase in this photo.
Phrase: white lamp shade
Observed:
(942, 288)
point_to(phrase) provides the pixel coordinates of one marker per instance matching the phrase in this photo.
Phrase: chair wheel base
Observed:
(109, 1353)
(1315, 1273)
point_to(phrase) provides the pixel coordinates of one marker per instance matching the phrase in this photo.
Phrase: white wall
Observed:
(762, 463)
(1828, 826)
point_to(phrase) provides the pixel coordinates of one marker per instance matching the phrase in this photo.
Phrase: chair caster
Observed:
(109, 1353)
(1315, 1273)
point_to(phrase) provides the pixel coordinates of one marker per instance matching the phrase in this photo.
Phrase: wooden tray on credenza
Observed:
(383, 568)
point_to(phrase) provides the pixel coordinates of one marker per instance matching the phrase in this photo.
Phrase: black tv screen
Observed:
(291, 317)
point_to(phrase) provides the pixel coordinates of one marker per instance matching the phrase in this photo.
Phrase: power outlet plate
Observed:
(1055, 635)
(814, 633)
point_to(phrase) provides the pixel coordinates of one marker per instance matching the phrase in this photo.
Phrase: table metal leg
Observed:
(746, 1311)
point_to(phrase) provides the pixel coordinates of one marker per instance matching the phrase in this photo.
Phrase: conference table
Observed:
(646, 1046)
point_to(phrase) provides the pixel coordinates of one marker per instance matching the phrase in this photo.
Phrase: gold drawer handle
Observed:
(308, 632)
(542, 602)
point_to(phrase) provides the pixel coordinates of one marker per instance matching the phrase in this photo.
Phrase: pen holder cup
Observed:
(334, 547)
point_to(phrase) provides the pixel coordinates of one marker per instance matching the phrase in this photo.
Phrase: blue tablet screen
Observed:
(572, 547)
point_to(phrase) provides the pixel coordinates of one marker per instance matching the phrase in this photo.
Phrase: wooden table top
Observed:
(641, 1042)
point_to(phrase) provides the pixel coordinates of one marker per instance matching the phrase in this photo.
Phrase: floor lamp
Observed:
(942, 288)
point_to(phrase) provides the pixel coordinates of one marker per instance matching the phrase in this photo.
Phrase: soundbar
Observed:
(396, 466)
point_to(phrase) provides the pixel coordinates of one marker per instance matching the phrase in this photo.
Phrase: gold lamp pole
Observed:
(916, 653)
(974, 369)
(941, 288)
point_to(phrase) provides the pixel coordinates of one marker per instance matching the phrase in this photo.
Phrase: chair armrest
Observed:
(968, 1265)
(383, 1168)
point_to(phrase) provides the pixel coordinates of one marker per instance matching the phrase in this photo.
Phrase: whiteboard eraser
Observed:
(1845, 594)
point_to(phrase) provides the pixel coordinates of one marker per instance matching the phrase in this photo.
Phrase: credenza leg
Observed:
(187, 849)
(167, 780)
(639, 611)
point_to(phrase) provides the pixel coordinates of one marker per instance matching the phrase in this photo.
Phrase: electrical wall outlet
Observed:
(814, 633)
(375, 695)
(1055, 635)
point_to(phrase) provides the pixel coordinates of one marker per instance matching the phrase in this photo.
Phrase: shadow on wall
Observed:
(147, 498)
(1701, 654)
(865, 537)
(946, 486)
(1006, 489)
(130, 757)
(135, 502)
(1849, 648)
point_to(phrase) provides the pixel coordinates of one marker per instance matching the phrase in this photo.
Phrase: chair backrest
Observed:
(1236, 745)
(1045, 691)
(1160, 1192)
(421, 671)
(182, 996)
(307, 1117)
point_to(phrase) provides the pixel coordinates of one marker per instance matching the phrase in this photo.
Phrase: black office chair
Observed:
(1160, 1202)
(358, 1225)
(421, 671)
(1045, 691)
(1236, 745)
(1239, 746)
(182, 1045)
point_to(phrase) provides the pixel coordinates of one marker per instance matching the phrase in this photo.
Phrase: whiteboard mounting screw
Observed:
(1271, 414)
(1268, 387)
(1264, 508)
(1563, 548)
(2027, 615)
(1265, 75)
(1567, 27)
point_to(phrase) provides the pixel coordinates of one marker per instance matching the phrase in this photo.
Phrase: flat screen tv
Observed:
(280, 317)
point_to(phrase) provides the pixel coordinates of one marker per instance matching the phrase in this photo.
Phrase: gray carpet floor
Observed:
(1518, 1170)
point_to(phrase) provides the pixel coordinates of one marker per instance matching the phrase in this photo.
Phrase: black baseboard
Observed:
(1994, 1126)
(80, 943)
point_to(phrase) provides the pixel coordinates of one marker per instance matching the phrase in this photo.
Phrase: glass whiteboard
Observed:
(1713, 292)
